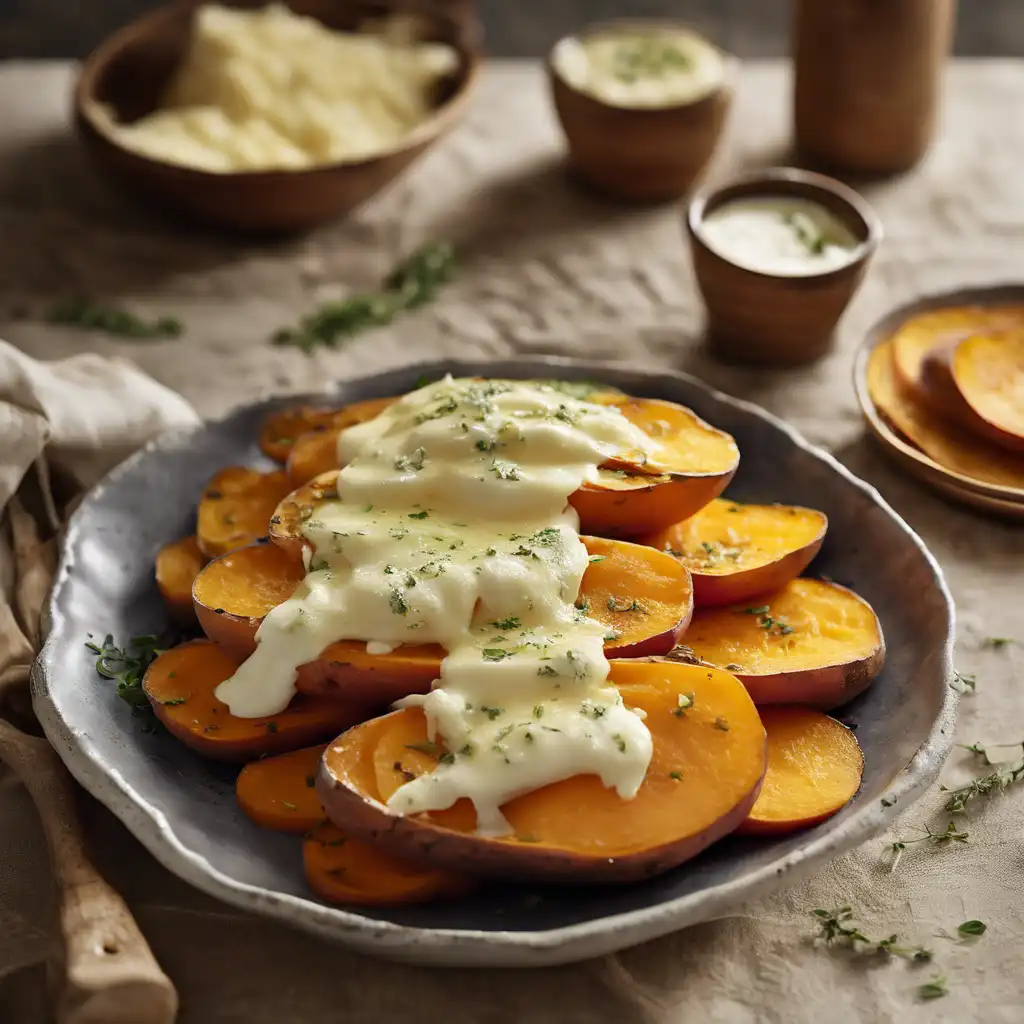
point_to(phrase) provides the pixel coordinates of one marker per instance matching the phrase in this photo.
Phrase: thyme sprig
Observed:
(88, 315)
(411, 284)
(837, 928)
(951, 835)
(127, 666)
(1003, 776)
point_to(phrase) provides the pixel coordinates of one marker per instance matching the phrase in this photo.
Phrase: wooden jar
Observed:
(868, 78)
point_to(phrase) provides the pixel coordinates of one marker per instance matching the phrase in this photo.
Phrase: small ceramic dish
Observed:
(640, 153)
(778, 319)
(128, 72)
(1005, 502)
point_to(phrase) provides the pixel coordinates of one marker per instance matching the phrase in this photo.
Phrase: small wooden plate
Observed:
(1007, 502)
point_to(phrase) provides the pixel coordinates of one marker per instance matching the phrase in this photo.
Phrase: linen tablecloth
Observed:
(548, 269)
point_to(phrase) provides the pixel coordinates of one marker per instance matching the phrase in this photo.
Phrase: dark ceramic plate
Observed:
(183, 808)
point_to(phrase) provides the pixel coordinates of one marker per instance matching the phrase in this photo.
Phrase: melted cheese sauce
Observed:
(452, 526)
(779, 235)
(641, 67)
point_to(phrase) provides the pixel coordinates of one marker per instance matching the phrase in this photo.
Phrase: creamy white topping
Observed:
(641, 66)
(452, 526)
(780, 235)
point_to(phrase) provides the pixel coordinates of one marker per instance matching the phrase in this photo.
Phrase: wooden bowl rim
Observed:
(798, 182)
(730, 64)
(150, 23)
(881, 331)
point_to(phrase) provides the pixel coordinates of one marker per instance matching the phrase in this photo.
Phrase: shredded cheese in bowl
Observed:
(272, 90)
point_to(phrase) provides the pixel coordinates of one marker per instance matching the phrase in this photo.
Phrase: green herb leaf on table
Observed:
(998, 780)
(972, 929)
(411, 284)
(94, 316)
(951, 835)
(934, 989)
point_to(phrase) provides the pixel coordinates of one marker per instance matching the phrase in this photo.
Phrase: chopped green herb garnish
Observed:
(509, 623)
(678, 776)
(93, 316)
(496, 653)
(413, 282)
(419, 515)
(127, 666)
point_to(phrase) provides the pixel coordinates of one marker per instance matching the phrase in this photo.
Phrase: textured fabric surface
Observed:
(549, 269)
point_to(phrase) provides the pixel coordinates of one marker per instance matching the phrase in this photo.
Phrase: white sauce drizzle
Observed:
(452, 527)
(779, 235)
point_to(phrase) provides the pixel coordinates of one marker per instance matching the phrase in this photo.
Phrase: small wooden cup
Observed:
(774, 319)
(129, 71)
(640, 154)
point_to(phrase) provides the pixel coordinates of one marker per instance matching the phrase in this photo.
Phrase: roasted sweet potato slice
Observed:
(952, 448)
(703, 779)
(316, 451)
(736, 551)
(693, 465)
(642, 596)
(347, 871)
(180, 685)
(939, 329)
(279, 793)
(988, 371)
(814, 769)
(282, 429)
(233, 593)
(177, 566)
(811, 643)
(236, 507)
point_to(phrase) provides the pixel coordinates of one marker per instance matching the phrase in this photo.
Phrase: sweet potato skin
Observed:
(814, 769)
(352, 799)
(829, 683)
(177, 566)
(180, 685)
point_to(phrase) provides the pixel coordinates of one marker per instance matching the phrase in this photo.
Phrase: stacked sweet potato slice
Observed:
(950, 382)
(731, 657)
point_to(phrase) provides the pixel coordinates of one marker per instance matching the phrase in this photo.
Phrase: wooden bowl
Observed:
(770, 319)
(640, 154)
(130, 70)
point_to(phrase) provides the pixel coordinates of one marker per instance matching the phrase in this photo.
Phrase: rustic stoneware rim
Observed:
(881, 331)
(811, 185)
(730, 64)
(125, 37)
(450, 946)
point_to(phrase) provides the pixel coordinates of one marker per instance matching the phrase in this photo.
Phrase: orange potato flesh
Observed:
(811, 643)
(344, 870)
(316, 451)
(736, 551)
(643, 596)
(236, 507)
(988, 370)
(282, 429)
(693, 465)
(233, 593)
(951, 448)
(279, 793)
(939, 329)
(703, 779)
(177, 566)
(180, 685)
(814, 769)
